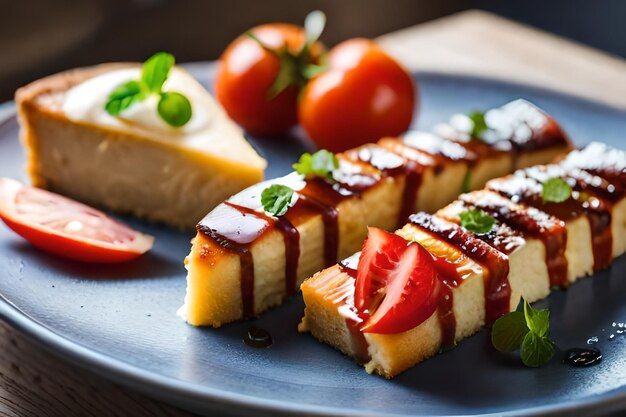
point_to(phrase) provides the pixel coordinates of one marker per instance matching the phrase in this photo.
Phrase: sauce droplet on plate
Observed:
(582, 357)
(258, 338)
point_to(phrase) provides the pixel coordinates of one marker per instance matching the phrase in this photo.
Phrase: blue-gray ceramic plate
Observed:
(120, 321)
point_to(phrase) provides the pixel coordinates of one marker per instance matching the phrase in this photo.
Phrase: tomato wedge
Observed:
(67, 228)
(397, 284)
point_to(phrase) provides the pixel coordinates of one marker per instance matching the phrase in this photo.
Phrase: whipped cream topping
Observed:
(86, 102)
(208, 129)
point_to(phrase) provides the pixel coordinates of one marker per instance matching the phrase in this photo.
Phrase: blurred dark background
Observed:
(42, 37)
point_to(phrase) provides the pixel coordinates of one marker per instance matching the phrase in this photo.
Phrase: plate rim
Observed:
(183, 394)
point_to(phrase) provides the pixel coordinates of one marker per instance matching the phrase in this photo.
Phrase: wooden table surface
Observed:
(34, 382)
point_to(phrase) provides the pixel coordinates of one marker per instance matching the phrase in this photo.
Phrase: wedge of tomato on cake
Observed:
(443, 276)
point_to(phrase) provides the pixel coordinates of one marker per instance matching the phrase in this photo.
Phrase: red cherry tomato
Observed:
(247, 71)
(397, 284)
(364, 96)
(66, 227)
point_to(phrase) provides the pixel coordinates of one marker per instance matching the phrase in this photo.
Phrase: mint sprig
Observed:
(536, 350)
(320, 164)
(556, 190)
(124, 96)
(276, 199)
(508, 331)
(173, 107)
(156, 70)
(477, 221)
(526, 329)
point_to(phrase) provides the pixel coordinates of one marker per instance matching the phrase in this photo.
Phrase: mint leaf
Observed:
(536, 350)
(477, 221)
(174, 108)
(124, 96)
(556, 190)
(526, 327)
(541, 323)
(509, 331)
(321, 164)
(276, 199)
(156, 70)
(538, 321)
(480, 125)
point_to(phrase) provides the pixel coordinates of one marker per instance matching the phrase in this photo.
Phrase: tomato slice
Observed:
(397, 283)
(66, 227)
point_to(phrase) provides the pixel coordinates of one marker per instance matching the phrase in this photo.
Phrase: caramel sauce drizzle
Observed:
(502, 237)
(530, 222)
(497, 288)
(340, 291)
(525, 186)
(450, 278)
(234, 228)
(597, 197)
(394, 164)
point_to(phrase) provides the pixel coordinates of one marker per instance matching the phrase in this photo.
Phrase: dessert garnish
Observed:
(277, 199)
(397, 283)
(174, 108)
(528, 329)
(477, 221)
(320, 164)
(556, 190)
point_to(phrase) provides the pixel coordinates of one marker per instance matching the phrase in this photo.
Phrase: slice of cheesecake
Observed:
(244, 261)
(134, 163)
(532, 247)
